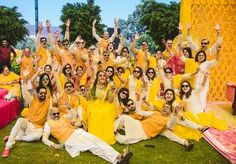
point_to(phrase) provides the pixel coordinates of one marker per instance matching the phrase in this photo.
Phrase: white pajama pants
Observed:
(23, 130)
(81, 141)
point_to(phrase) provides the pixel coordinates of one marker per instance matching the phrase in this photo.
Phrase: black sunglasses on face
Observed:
(204, 43)
(185, 86)
(130, 104)
(56, 114)
(68, 86)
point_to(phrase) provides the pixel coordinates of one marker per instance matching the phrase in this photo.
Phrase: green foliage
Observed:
(160, 19)
(28, 42)
(15, 67)
(82, 16)
(12, 25)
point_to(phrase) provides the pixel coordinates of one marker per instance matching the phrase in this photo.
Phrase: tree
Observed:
(81, 16)
(12, 25)
(160, 19)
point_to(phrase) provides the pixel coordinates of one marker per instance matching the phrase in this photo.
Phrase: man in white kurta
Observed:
(77, 140)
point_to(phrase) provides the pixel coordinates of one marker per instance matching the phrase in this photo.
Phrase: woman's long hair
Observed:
(119, 92)
(154, 75)
(113, 72)
(173, 92)
(64, 70)
(181, 93)
(93, 90)
(49, 82)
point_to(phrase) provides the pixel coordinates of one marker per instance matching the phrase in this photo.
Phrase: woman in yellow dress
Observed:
(121, 98)
(100, 111)
(66, 74)
(10, 81)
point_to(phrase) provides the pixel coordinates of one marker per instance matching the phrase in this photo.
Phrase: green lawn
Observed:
(165, 151)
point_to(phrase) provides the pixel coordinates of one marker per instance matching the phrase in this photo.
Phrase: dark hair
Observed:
(68, 82)
(81, 86)
(64, 69)
(181, 93)
(127, 100)
(113, 72)
(3, 67)
(170, 104)
(206, 40)
(124, 48)
(94, 87)
(109, 44)
(189, 51)
(40, 87)
(43, 38)
(120, 68)
(49, 81)
(168, 68)
(78, 68)
(196, 57)
(140, 70)
(64, 40)
(144, 41)
(120, 91)
(173, 92)
(150, 68)
(48, 65)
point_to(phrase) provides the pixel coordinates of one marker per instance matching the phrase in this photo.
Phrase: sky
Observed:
(51, 9)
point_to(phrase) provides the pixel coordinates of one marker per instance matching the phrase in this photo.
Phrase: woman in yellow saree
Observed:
(10, 81)
(100, 111)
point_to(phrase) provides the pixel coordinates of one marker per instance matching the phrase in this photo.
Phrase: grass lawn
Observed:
(165, 151)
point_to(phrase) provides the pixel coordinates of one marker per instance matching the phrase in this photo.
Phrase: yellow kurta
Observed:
(72, 100)
(27, 63)
(152, 125)
(67, 57)
(103, 43)
(46, 57)
(38, 111)
(100, 116)
(61, 129)
(64, 79)
(14, 88)
(80, 62)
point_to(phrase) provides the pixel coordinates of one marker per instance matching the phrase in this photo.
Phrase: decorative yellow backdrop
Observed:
(203, 15)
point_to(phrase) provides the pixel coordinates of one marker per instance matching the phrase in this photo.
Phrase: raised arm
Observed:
(67, 32)
(27, 96)
(115, 33)
(218, 42)
(33, 79)
(37, 39)
(94, 31)
(73, 47)
(193, 45)
(168, 49)
(180, 39)
(133, 44)
(48, 27)
(58, 82)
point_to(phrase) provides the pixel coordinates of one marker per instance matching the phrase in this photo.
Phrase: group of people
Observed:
(88, 98)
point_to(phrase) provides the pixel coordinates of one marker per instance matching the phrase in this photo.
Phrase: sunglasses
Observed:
(102, 75)
(168, 72)
(109, 71)
(43, 93)
(120, 72)
(124, 51)
(80, 42)
(43, 41)
(106, 55)
(68, 86)
(151, 72)
(68, 68)
(82, 90)
(130, 104)
(56, 114)
(125, 93)
(185, 86)
(204, 43)
(65, 44)
(136, 71)
(45, 78)
(92, 49)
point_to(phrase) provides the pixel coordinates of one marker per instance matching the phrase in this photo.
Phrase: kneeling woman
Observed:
(100, 112)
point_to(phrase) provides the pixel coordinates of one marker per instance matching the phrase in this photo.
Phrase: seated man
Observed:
(149, 124)
(77, 140)
(29, 128)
